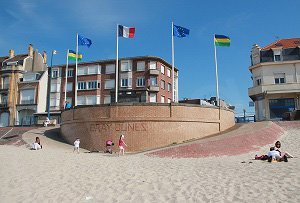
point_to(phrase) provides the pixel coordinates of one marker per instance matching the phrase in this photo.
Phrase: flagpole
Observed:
(117, 65)
(217, 79)
(76, 65)
(66, 79)
(173, 100)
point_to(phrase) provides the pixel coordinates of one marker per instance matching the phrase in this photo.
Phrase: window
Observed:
(258, 82)
(92, 85)
(152, 97)
(109, 84)
(140, 66)
(125, 65)
(279, 78)
(27, 96)
(81, 70)
(81, 100)
(169, 87)
(168, 72)
(70, 72)
(162, 69)
(162, 84)
(169, 100)
(69, 87)
(55, 87)
(55, 74)
(153, 81)
(277, 58)
(93, 69)
(88, 100)
(81, 86)
(107, 99)
(5, 81)
(126, 82)
(152, 65)
(140, 82)
(110, 68)
(162, 99)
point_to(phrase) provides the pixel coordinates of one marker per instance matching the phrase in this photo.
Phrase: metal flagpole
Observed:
(76, 61)
(217, 85)
(66, 79)
(117, 65)
(173, 99)
(217, 79)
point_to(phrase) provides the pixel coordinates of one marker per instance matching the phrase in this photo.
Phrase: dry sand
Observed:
(56, 174)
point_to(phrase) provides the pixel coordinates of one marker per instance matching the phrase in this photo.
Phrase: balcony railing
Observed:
(153, 88)
(154, 72)
(27, 101)
(274, 88)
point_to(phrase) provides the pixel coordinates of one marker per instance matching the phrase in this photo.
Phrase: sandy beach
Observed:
(56, 174)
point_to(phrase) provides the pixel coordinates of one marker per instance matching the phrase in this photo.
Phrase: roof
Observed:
(283, 43)
(120, 59)
(19, 57)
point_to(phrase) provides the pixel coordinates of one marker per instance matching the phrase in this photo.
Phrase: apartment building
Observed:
(141, 79)
(275, 71)
(22, 80)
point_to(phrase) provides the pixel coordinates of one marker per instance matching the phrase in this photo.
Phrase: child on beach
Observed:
(122, 145)
(76, 145)
(274, 155)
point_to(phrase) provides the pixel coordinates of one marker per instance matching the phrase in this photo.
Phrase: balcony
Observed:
(274, 88)
(22, 102)
(153, 88)
(3, 104)
(154, 72)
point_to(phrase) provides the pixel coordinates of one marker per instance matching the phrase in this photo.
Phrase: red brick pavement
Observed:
(247, 138)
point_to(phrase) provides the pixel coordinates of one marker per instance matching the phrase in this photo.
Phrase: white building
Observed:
(276, 78)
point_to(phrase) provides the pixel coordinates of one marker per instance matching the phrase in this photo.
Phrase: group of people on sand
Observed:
(108, 143)
(275, 154)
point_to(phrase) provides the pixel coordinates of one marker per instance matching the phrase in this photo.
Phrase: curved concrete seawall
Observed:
(145, 126)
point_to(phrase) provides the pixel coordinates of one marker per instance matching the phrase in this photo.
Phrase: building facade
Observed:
(141, 79)
(22, 79)
(275, 73)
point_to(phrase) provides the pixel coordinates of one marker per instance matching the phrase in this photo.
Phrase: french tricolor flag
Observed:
(127, 32)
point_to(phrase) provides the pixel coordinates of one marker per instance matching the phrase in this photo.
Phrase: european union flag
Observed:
(83, 41)
(179, 31)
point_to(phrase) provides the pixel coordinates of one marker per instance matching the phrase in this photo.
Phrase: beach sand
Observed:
(56, 174)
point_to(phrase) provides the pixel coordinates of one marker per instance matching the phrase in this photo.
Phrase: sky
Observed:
(52, 25)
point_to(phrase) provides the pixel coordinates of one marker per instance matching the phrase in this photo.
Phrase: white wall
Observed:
(42, 95)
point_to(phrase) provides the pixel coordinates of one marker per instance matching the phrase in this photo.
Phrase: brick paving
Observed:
(249, 137)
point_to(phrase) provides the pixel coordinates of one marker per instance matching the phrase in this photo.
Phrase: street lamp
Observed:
(49, 83)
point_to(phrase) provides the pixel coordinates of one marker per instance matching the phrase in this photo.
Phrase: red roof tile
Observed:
(284, 43)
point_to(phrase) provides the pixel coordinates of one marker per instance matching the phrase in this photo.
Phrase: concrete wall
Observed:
(145, 126)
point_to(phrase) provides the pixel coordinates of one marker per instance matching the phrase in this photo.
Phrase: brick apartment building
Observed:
(275, 71)
(141, 79)
(22, 79)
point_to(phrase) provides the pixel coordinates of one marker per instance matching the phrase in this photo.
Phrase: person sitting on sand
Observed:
(37, 144)
(277, 148)
(109, 145)
(275, 156)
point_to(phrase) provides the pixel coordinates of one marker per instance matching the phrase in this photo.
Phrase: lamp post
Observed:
(49, 83)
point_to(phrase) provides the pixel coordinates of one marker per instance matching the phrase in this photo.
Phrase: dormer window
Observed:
(277, 54)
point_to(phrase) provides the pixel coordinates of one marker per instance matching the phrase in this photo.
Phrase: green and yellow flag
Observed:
(72, 56)
(222, 40)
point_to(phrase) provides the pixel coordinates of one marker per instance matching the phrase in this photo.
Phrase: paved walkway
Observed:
(249, 137)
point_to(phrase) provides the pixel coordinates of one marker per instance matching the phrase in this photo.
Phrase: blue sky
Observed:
(50, 25)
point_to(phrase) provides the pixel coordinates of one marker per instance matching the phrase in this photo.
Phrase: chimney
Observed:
(11, 53)
(30, 50)
(45, 57)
